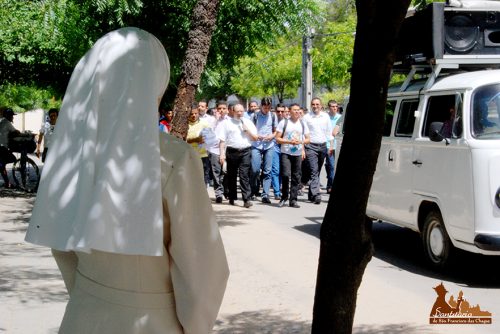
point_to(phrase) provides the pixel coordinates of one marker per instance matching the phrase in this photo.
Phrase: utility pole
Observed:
(307, 69)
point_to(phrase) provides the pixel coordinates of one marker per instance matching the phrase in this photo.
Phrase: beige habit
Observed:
(125, 210)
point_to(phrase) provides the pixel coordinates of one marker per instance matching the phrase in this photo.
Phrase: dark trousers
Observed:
(217, 174)
(290, 168)
(315, 155)
(206, 169)
(306, 172)
(239, 163)
(6, 157)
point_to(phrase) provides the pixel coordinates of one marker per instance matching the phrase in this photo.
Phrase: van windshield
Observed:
(485, 116)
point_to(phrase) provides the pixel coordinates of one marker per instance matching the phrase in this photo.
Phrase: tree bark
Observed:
(199, 40)
(346, 241)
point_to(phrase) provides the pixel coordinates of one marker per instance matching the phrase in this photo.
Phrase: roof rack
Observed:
(447, 65)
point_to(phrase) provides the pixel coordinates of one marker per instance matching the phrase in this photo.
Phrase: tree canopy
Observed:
(275, 69)
(41, 41)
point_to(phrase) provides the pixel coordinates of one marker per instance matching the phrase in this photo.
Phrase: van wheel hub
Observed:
(436, 239)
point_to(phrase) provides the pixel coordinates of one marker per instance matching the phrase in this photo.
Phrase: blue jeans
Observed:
(261, 159)
(275, 173)
(330, 170)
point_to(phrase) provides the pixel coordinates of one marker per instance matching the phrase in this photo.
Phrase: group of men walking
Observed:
(280, 149)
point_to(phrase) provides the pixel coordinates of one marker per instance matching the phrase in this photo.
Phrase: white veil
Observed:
(100, 187)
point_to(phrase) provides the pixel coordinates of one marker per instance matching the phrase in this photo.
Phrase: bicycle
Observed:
(25, 171)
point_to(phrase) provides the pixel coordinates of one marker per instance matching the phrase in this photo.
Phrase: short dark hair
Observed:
(332, 102)
(294, 104)
(53, 111)
(280, 105)
(266, 101)
(221, 102)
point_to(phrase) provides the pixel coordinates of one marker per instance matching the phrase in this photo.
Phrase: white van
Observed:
(438, 170)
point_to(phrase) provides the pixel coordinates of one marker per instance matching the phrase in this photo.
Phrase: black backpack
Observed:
(286, 123)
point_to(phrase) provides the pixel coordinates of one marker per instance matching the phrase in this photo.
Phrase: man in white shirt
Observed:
(292, 134)
(214, 155)
(320, 129)
(336, 119)
(236, 135)
(204, 116)
(46, 133)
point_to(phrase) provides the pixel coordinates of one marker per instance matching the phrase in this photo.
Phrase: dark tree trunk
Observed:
(346, 242)
(199, 39)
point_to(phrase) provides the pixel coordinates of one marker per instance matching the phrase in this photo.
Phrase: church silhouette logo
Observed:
(456, 311)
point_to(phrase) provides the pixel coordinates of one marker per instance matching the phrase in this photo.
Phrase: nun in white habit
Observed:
(123, 206)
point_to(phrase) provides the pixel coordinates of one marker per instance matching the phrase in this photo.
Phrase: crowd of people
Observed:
(282, 149)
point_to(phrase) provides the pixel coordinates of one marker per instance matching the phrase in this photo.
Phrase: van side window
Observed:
(485, 113)
(446, 109)
(390, 106)
(406, 118)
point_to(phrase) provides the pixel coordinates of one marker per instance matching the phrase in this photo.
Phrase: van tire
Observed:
(437, 243)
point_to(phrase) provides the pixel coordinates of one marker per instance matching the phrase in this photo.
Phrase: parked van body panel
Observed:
(486, 183)
(444, 175)
(392, 183)
(457, 177)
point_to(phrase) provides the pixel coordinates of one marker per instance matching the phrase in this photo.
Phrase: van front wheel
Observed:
(437, 243)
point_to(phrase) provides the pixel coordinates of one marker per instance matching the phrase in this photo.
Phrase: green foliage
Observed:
(22, 98)
(338, 94)
(274, 70)
(332, 54)
(41, 41)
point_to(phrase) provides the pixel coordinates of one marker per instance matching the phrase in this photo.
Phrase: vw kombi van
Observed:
(438, 170)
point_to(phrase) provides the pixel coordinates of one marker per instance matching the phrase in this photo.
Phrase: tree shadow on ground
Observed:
(29, 284)
(233, 218)
(402, 248)
(15, 193)
(311, 229)
(392, 329)
(260, 322)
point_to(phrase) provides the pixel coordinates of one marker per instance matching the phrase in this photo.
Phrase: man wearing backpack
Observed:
(292, 134)
(263, 149)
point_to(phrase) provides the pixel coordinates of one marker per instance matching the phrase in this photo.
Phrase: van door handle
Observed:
(391, 158)
(417, 162)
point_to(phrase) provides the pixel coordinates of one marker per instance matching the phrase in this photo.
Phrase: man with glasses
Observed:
(320, 128)
(236, 135)
(280, 112)
(335, 118)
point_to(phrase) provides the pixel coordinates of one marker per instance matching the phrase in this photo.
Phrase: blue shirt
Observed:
(334, 120)
(264, 125)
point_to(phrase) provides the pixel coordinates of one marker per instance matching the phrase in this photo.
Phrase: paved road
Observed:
(272, 254)
(396, 294)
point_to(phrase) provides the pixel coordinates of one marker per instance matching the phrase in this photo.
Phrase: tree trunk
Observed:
(346, 242)
(199, 39)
